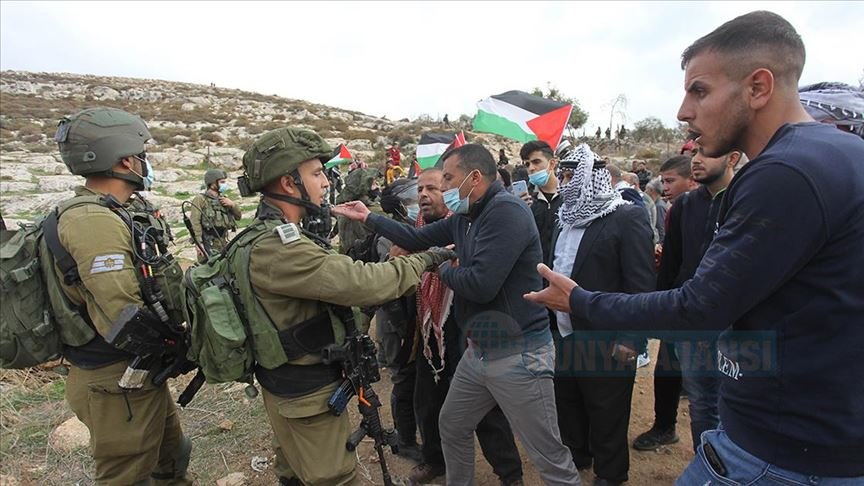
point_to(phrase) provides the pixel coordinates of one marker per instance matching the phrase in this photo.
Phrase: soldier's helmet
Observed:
(93, 141)
(213, 175)
(279, 152)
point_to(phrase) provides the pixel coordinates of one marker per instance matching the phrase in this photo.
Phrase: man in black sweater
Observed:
(782, 278)
(692, 221)
(538, 158)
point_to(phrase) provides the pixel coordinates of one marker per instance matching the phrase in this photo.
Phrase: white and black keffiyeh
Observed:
(589, 195)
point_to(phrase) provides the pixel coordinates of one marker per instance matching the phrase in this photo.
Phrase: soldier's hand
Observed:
(224, 201)
(354, 210)
(397, 251)
(440, 255)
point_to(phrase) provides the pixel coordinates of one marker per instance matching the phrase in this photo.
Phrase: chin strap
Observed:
(138, 182)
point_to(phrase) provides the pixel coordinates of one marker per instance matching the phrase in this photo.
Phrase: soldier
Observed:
(296, 278)
(359, 186)
(213, 214)
(134, 435)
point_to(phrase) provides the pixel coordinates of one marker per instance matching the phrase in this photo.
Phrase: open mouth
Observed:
(694, 135)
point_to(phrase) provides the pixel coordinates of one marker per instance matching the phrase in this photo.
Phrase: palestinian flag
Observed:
(432, 146)
(523, 117)
(341, 156)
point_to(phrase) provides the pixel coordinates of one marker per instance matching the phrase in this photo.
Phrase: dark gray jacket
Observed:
(499, 249)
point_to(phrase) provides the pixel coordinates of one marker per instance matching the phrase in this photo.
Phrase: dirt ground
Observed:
(230, 433)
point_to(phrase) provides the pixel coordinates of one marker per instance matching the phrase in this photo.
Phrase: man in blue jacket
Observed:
(510, 357)
(784, 275)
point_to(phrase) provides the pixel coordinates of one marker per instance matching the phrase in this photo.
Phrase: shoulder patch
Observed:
(107, 263)
(288, 233)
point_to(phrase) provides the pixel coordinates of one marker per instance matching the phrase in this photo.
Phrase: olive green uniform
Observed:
(132, 434)
(294, 282)
(212, 221)
(357, 187)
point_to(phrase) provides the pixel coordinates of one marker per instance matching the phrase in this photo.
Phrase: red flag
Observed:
(459, 140)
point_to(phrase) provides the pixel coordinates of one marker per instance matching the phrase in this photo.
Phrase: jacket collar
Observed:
(477, 208)
(266, 210)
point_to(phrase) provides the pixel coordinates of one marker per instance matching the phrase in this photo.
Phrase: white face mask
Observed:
(150, 177)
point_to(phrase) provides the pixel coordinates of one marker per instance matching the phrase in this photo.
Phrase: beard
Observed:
(731, 133)
(711, 177)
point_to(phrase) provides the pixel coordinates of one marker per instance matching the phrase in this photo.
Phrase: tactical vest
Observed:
(215, 217)
(148, 228)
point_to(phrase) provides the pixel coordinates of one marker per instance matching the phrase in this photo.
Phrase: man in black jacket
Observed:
(538, 158)
(605, 243)
(510, 355)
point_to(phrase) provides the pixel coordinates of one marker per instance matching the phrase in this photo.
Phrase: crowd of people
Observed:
(517, 299)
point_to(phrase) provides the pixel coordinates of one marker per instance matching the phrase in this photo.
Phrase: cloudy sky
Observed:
(411, 58)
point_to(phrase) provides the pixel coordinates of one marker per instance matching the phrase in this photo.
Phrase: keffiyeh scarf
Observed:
(589, 195)
(434, 300)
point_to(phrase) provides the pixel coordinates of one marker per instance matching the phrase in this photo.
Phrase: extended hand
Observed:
(355, 210)
(557, 295)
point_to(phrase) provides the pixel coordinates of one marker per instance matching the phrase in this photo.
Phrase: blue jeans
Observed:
(743, 468)
(701, 381)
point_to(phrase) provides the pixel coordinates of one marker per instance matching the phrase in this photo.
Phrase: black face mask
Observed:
(374, 193)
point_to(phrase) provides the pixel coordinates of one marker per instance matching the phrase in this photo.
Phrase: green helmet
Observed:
(213, 175)
(279, 152)
(93, 141)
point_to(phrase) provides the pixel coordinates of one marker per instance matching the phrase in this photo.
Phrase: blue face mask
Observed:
(150, 178)
(539, 178)
(452, 200)
(413, 210)
(223, 188)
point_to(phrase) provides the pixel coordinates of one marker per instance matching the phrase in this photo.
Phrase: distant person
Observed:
(502, 158)
(213, 215)
(447, 121)
(394, 156)
(609, 133)
(654, 190)
(627, 191)
(598, 134)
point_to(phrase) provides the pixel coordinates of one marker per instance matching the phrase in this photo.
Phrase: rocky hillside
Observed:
(194, 127)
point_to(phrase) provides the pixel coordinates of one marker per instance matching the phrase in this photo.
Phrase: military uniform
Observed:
(295, 280)
(134, 435)
(357, 188)
(211, 221)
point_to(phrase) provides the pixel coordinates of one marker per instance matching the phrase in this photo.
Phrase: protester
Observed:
(510, 355)
(654, 190)
(632, 180)
(438, 354)
(605, 243)
(623, 187)
(676, 177)
(394, 156)
(692, 221)
(504, 178)
(538, 158)
(782, 276)
(502, 158)
(395, 322)
(641, 170)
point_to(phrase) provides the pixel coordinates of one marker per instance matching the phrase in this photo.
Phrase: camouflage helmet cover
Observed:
(96, 139)
(280, 152)
(213, 175)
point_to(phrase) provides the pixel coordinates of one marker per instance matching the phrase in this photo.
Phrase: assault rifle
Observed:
(359, 361)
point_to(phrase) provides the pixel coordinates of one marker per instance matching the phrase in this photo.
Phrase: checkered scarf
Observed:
(589, 195)
(433, 307)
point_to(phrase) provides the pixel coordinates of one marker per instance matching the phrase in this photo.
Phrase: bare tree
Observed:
(617, 106)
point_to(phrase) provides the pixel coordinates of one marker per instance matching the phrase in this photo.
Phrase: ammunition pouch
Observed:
(292, 381)
(309, 337)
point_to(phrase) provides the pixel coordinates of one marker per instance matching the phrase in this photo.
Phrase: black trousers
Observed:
(402, 402)
(493, 432)
(667, 386)
(593, 415)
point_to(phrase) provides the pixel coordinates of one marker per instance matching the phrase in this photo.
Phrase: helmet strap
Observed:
(131, 177)
(304, 201)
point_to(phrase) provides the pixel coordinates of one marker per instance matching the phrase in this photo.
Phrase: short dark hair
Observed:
(534, 146)
(680, 164)
(614, 170)
(472, 157)
(754, 40)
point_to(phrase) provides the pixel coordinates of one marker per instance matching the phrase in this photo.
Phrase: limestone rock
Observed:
(58, 183)
(8, 480)
(6, 187)
(233, 479)
(187, 106)
(70, 435)
(105, 93)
